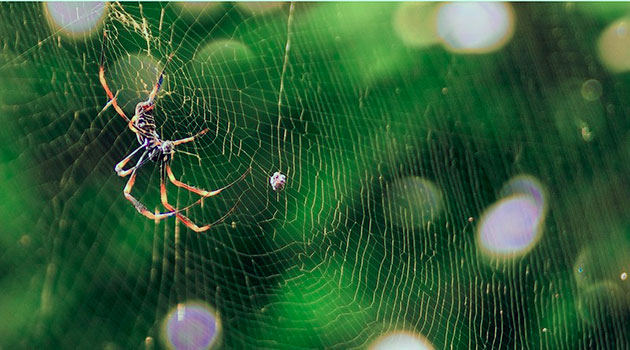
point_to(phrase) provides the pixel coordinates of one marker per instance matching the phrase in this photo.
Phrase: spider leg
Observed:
(109, 103)
(141, 208)
(119, 167)
(101, 77)
(191, 138)
(201, 192)
(183, 218)
(156, 88)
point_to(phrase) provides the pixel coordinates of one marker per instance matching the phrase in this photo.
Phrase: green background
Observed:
(323, 263)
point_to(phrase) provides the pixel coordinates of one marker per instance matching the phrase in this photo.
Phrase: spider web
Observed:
(398, 150)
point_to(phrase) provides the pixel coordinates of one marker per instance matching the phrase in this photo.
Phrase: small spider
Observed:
(153, 148)
(278, 181)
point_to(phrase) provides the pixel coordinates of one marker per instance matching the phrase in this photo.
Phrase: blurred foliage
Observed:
(322, 264)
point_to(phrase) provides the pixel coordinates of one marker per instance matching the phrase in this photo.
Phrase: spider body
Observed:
(153, 148)
(145, 123)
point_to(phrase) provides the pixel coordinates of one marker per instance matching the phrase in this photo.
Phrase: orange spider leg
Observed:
(198, 191)
(157, 86)
(119, 167)
(141, 208)
(191, 225)
(101, 77)
(191, 138)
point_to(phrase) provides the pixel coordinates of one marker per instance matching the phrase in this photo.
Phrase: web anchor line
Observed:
(287, 48)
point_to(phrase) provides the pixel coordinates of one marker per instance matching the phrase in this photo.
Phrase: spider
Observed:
(153, 148)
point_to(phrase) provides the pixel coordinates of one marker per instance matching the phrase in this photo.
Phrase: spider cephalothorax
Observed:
(153, 148)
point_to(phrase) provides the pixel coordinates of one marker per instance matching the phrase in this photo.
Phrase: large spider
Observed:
(155, 149)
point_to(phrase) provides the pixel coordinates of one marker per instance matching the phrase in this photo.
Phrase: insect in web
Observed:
(277, 181)
(154, 148)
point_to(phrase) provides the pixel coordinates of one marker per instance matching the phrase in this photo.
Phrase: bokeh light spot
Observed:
(613, 46)
(510, 227)
(413, 201)
(414, 23)
(600, 303)
(401, 341)
(475, 27)
(525, 185)
(75, 18)
(200, 11)
(224, 52)
(591, 90)
(225, 62)
(133, 77)
(603, 292)
(577, 112)
(191, 326)
(604, 260)
(260, 7)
